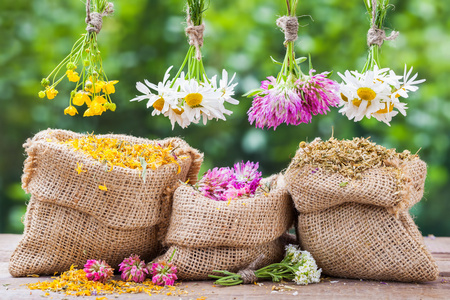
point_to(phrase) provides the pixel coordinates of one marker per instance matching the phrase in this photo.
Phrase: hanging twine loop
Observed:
(375, 35)
(94, 20)
(195, 34)
(289, 25)
(248, 274)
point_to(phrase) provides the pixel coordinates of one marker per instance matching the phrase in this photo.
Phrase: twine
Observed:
(375, 35)
(289, 25)
(94, 20)
(195, 34)
(248, 274)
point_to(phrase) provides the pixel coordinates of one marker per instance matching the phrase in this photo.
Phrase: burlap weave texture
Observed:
(198, 263)
(200, 222)
(361, 228)
(129, 208)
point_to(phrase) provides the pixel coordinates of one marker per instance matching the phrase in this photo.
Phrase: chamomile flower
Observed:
(225, 87)
(177, 115)
(189, 97)
(362, 94)
(164, 98)
(201, 100)
(408, 84)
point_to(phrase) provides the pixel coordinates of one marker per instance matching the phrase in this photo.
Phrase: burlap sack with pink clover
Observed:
(69, 219)
(218, 235)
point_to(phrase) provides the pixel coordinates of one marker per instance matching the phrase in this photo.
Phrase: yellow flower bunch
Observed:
(92, 88)
(75, 283)
(123, 154)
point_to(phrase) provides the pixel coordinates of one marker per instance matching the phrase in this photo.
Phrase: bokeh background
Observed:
(145, 37)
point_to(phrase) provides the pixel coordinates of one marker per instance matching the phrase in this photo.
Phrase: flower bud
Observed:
(41, 94)
(86, 63)
(71, 66)
(45, 82)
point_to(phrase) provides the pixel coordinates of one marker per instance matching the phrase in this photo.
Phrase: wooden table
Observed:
(329, 288)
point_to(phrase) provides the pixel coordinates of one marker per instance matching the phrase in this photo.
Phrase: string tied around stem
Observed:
(289, 25)
(375, 35)
(195, 34)
(248, 274)
(94, 20)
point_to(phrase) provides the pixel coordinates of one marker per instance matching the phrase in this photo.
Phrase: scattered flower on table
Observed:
(297, 266)
(98, 270)
(133, 269)
(163, 273)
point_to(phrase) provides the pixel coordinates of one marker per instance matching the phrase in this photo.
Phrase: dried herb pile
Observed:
(350, 158)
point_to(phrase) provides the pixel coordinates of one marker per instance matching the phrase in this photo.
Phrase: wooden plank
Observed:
(336, 288)
(438, 245)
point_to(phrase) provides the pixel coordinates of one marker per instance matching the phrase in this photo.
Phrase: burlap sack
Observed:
(129, 206)
(200, 222)
(56, 237)
(362, 228)
(198, 263)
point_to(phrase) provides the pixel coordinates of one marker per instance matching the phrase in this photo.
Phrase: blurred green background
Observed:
(144, 38)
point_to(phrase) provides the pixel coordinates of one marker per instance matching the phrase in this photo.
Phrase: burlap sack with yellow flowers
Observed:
(200, 222)
(70, 219)
(360, 227)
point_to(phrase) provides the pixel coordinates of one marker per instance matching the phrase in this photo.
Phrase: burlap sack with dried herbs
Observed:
(70, 219)
(200, 222)
(353, 198)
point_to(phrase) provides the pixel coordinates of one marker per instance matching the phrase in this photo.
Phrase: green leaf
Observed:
(310, 62)
(343, 184)
(252, 93)
(275, 61)
(144, 168)
(300, 59)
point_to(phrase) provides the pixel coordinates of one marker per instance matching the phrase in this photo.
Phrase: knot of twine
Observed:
(94, 20)
(375, 35)
(248, 274)
(195, 34)
(289, 25)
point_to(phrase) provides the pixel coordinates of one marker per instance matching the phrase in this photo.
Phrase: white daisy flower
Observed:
(178, 115)
(164, 98)
(201, 100)
(363, 94)
(227, 88)
(408, 84)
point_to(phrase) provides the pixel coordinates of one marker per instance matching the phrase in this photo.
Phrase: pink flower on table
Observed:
(164, 273)
(133, 269)
(98, 270)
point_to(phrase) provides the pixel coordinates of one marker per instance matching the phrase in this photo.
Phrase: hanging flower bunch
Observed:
(298, 266)
(225, 184)
(191, 96)
(293, 97)
(92, 88)
(376, 92)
